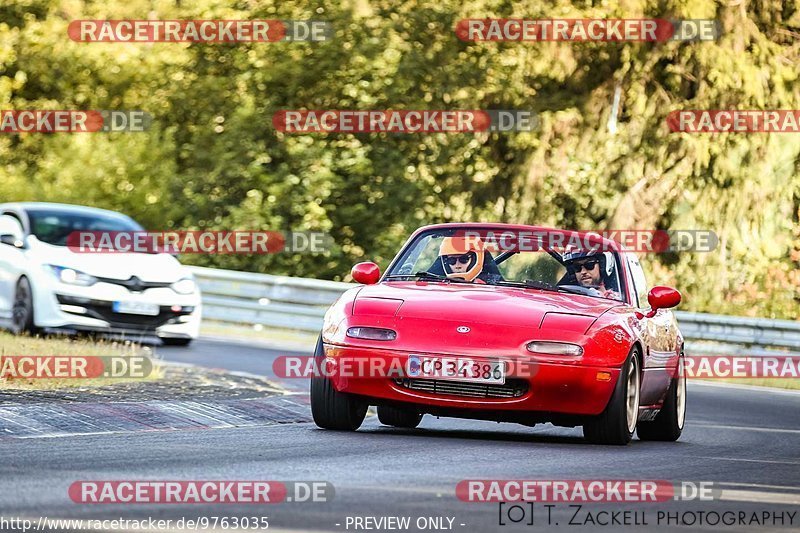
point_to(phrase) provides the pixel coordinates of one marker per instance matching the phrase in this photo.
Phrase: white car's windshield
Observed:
(53, 226)
(452, 256)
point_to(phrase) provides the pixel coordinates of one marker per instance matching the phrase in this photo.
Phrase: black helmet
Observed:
(606, 258)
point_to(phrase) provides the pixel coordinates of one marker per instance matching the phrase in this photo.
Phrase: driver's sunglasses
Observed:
(463, 259)
(588, 265)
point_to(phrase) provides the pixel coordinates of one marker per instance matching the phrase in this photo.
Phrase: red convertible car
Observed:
(506, 323)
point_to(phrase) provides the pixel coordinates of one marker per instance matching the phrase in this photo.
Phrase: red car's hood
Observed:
(474, 319)
(506, 306)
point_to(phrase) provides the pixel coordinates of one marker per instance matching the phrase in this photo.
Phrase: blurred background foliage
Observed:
(213, 160)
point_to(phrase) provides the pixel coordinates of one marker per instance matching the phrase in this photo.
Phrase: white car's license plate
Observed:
(135, 308)
(456, 368)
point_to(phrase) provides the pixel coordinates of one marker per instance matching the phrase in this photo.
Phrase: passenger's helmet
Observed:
(461, 249)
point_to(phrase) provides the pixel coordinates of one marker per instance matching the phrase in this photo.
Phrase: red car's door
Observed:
(659, 335)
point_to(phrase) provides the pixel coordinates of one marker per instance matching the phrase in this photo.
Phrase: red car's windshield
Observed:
(508, 259)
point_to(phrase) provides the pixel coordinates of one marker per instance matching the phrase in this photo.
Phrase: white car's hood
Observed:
(147, 267)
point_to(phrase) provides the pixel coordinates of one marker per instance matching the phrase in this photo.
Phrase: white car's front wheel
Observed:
(176, 341)
(22, 311)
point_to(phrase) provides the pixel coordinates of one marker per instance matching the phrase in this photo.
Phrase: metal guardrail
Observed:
(727, 329)
(283, 302)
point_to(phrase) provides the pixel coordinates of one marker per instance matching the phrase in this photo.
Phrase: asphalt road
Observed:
(746, 442)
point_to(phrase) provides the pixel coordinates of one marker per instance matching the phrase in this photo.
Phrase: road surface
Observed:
(746, 442)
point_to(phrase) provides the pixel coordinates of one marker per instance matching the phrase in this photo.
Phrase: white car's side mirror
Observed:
(11, 233)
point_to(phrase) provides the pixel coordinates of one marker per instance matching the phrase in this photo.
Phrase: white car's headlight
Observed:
(72, 276)
(184, 286)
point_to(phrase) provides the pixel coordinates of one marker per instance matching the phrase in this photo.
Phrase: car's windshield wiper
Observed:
(576, 289)
(533, 284)
(428, 276)
(506, 283)
(527, 284)
(572, 289)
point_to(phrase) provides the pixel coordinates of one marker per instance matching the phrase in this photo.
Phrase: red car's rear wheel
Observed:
(668, 424)
(398, 417)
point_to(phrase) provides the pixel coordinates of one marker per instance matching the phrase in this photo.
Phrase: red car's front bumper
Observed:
(567, 388)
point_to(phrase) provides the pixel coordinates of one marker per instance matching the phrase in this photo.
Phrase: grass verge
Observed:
(12, 345)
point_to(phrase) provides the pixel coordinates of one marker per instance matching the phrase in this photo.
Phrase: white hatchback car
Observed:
(46, 286)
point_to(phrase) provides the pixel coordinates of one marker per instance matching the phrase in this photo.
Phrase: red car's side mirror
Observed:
(663, 297)
(660, 297)
(367, 273)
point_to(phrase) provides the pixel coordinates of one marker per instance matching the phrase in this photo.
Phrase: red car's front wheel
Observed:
(617, 423)
(332, 409)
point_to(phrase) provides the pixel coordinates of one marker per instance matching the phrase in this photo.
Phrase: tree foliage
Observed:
(213, 160)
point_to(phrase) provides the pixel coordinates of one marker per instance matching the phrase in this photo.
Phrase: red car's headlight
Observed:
(373, 334)
(555, 348)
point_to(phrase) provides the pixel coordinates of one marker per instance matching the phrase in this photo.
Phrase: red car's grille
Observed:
(513, 388)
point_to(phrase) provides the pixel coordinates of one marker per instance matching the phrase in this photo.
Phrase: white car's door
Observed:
(12, 261)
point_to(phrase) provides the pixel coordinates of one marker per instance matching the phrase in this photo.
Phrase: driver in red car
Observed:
(462, 258)
(591, 270)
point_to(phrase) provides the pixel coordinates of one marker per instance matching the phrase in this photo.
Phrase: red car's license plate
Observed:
(456, 368)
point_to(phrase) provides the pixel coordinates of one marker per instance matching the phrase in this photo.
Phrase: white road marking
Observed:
(760, 497)
(757, 485)
(755, 388)
(746, 428)
(139, 431)
(438, 492)
(767, 461)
